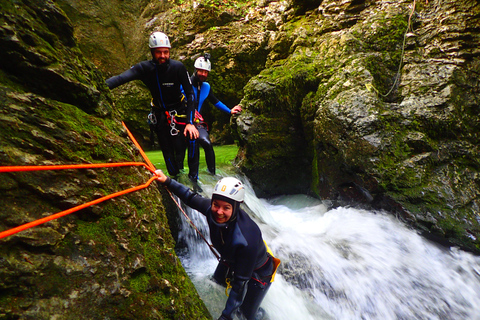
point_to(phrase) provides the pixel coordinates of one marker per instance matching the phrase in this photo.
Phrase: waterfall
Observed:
(343, 263)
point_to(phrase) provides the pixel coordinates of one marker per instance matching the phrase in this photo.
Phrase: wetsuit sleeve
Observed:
(189, 197)
(131, 74)
(222, 107)
(188, 92)
(217, 103)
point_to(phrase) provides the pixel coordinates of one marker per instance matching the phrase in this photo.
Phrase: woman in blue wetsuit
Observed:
(202, 91)
(164, 77)
(245, 262)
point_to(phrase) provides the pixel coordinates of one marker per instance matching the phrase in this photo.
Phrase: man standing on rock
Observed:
(203, 92)
(173, 112)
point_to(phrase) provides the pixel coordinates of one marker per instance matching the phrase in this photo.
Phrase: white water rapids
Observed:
(343, 263)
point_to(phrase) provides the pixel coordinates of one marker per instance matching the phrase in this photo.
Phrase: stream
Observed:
(342, 263)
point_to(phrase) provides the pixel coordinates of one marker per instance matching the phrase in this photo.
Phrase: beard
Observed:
(162, 61)
(201, 78)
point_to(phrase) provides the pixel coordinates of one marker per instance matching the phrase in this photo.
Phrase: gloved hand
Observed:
(222, 317)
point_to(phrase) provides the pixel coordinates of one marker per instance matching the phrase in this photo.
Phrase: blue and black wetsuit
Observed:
(164, 82)
(202, 92)
(244, 257)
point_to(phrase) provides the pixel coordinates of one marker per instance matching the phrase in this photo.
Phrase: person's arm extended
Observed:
(126, 76)
(221, 106)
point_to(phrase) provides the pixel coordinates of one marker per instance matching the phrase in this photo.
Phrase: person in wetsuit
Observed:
(203, 91)
(173, 111)
(244, 258)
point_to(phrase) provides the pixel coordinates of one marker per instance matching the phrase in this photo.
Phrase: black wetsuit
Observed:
(164, 81)
(243, 253)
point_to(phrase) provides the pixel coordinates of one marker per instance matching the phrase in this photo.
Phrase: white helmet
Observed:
(158, 40)
(230, 188)
(203, 64)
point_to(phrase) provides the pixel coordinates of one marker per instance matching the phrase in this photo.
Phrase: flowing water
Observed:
(343, 263)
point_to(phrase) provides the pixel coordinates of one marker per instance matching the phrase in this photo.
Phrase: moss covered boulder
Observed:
(383, 103)
(113, 260)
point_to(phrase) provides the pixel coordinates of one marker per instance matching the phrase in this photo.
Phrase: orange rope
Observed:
(73, 166)
(152, 167)
(215, 253)
(82, 206)
(35, 223)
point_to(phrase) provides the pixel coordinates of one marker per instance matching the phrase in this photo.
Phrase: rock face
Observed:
(114, 260)
(117, 41)
(376, 104)
(360, 102)
(370, 103)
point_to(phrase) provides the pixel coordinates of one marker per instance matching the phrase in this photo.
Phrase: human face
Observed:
(222, 211)
(161, 55)
(202, 74)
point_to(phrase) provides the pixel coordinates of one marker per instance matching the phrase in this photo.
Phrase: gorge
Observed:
(371, 104)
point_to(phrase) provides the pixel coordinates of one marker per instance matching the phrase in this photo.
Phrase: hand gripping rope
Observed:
(148, 166)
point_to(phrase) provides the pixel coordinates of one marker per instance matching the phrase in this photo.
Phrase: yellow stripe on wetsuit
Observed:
(276, 261)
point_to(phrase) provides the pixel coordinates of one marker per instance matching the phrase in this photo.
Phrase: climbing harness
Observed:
(199, 120)
(171, 118)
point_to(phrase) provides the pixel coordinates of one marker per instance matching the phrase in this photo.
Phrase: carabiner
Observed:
(152, 118)
(173, 130)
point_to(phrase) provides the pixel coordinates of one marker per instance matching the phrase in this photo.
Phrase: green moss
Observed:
(389, 33)
(100, 230)
(139, 282)
(282, 88)
(385, 47)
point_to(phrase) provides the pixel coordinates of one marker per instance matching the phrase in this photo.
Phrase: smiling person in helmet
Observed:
(245, 260)
(173, 112)
(203, 91)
